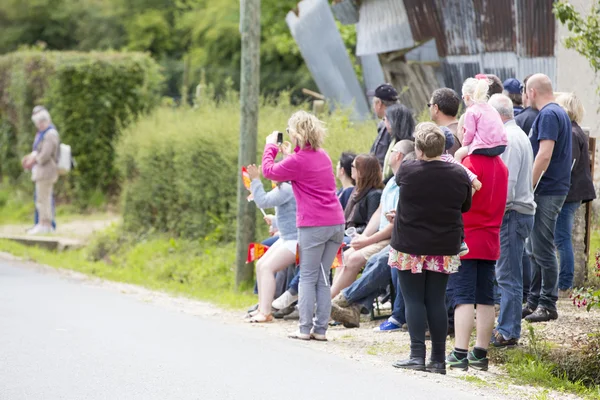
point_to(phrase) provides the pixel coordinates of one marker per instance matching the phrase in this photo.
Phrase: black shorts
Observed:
(473, 283)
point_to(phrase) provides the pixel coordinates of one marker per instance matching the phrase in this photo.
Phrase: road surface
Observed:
(61, 339)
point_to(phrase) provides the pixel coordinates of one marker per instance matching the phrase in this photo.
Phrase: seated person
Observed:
(378, 233)
(344, 174)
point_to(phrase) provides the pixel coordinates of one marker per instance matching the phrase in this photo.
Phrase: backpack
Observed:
(65, 160)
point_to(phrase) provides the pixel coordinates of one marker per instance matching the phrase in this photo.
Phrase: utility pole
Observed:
(249, 101)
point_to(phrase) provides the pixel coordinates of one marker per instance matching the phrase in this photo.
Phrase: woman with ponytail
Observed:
(484, 131)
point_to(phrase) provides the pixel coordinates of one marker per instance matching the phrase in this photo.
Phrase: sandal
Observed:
(261, 318)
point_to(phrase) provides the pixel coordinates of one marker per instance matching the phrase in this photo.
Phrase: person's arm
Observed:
(373, 224)
(471, 175)
(542, 160)
(48, 150)
(274, 198)
(373, 201)
(285, 170)
(470, 128)
(363, 241)
(466, 206)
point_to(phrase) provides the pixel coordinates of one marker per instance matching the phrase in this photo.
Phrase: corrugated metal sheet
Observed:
(346, 11)
(426, 53)
(460, 29)
(544, 65)
(324, 52)
(425, 22)
(372, 72)
(383, 27)
(495, 24)
(536, 28)
(503, 64)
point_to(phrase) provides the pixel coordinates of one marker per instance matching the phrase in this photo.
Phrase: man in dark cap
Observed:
(512, 89)
(384, 96)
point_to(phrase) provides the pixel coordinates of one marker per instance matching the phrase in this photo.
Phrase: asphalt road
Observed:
(61, 339)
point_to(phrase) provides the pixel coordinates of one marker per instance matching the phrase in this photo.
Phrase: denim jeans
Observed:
(515, 229)
(398, 309)
(373, 281)
(564, 244)
(526, 272)
(544, 266)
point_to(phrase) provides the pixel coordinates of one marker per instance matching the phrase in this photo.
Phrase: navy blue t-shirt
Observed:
(553, 123)
(344, 195)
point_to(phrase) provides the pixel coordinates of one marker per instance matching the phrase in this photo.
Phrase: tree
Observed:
(585, 32)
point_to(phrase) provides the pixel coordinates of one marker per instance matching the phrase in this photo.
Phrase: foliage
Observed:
(180, 165)
(207, 32)
(201, 270)
(90, 96)
(585, 32)
(589, 297)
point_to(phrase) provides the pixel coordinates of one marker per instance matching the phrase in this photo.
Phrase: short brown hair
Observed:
(369, 173)
(430, 140)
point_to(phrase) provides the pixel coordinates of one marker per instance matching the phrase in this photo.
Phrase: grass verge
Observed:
(203, 271)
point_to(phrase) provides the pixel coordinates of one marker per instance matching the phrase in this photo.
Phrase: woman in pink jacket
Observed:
(320, 218)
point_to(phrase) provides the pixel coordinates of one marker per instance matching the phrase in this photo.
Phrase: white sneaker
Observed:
(318, 336)
(299, 335)
(39, 230)
(284, 301)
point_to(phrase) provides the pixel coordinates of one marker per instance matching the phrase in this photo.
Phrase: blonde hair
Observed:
(572, 105)
(476, 89)
(307, 129)
(430, 139)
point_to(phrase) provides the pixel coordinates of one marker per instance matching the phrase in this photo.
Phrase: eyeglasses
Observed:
(429, 105)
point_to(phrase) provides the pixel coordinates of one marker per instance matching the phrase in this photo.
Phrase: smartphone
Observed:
(279, 138)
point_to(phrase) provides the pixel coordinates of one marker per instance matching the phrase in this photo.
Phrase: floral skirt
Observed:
(416, 264)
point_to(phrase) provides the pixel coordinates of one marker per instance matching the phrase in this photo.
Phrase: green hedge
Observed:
(91, 97)
(180, 165)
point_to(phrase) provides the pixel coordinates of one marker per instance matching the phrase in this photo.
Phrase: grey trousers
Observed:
(318, 248)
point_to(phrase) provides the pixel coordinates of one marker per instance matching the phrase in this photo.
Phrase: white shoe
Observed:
(284, 301)
(299, 335)
(39, 230)
(318, 336)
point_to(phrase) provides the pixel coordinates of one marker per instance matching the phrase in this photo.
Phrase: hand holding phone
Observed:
(279, 138)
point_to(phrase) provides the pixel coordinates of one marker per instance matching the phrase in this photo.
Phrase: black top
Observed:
(364, 210)
(381, 143)
(525, 119)
(433, 196)
(582, 185)
(344, 195)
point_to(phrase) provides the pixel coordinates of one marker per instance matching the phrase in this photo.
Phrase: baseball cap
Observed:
(512, 86)
(449, 137)
(384, 92)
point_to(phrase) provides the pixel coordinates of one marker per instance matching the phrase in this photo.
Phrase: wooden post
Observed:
(249, 101)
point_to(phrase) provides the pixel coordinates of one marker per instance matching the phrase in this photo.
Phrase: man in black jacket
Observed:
(384, 96)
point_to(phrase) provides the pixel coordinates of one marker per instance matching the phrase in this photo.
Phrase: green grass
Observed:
(192, 269)
(593, 278)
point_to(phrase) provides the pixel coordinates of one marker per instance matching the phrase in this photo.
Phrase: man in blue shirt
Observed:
(550, 138)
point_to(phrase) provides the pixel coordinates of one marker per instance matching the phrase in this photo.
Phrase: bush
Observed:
(90, 96)
(180, 165)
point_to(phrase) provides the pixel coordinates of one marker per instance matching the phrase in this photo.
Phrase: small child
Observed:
(484, 131)
(447, 157)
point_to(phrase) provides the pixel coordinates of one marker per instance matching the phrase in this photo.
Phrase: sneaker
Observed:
(39, 230)
(455, 363)
(340, 300)
(464, 249)
(283, 312)
(284, 301)
(477, 363)
(349, 316)
(299, 335)
(499, 341)
(542, 314)
(321, 337)
(294, 315)
(526, 312)
(417, 364)
(387, 326)
(436, 367)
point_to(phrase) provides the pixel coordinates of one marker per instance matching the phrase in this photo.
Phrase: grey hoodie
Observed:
(282, 199)
(518, 158)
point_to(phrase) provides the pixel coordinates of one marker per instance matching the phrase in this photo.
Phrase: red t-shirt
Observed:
(483, 220)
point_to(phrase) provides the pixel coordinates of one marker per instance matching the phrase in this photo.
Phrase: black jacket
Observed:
(381, 143)
(526, 118)
(582, 185)
(365, 208)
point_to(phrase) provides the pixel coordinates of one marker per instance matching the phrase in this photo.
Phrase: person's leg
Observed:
(464, 285)
(437, 317)
(335, 237)
(53, 213)
(270, 241)
(293, 287)
(375, 277)
(484, 298)
(43, 190)
(279, 260)
(36, 214)
(354, 261)
(311, 244)
(399, 308)
(526, 269)
(413, 288)
(564, 244)
(515, 229)
(491, 152)
(544, 256)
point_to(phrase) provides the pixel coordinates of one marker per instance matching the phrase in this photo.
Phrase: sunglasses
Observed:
(429, 105)
(353, 166)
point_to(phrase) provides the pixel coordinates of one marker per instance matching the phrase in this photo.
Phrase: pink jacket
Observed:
(484, 128)
(313, 182)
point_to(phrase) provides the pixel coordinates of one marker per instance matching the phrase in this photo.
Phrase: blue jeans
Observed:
(544, 266)
(373, 281)
(398, 309)
(515, 229)
(562, 239)
(526, 273)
